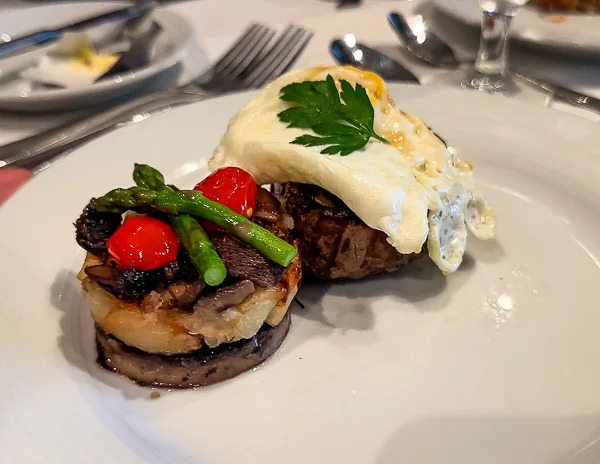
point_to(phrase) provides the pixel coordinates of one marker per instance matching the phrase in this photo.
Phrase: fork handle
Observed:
(49, 143)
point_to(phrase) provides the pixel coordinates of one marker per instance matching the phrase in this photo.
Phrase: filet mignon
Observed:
(334, 242)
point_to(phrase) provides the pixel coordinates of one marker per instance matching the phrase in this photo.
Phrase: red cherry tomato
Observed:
(232, 187)
(143, 243)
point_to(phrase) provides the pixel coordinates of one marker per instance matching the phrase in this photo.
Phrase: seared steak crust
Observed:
(334, 242)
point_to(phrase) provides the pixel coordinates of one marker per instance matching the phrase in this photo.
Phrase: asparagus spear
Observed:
(196, 204)
(120, 200)
(148, 177)
(201, 250)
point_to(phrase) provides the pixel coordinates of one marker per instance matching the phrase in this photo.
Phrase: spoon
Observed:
(347, 51)
(432, 49)
(422, 43)
(345, 54)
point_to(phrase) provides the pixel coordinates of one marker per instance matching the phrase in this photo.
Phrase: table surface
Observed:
(216, 26)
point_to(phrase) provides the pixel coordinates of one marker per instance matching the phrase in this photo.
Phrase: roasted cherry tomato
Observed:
(232, 187)
(143, 243)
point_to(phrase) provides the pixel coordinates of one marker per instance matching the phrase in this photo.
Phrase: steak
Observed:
(244, 262)
(334, 242)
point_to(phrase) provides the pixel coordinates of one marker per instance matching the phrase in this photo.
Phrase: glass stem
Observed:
(492, 55)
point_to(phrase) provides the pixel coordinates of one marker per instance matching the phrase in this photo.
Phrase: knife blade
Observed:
(50, 35)
(563, 93)
(362, 57)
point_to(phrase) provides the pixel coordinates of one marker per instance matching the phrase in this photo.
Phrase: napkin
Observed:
(10, 181)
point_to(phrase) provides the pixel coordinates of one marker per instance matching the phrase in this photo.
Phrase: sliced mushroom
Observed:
(186, 293)
(266, 215)
(225, 297)
(267, 206)
(232, 313)
(103, 273)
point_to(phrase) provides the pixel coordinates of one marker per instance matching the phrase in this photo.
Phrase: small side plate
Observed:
(19, 96)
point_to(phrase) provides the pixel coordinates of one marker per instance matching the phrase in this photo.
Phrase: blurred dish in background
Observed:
(70, 74)
(583, 6)
(573, 33)
(75, 63)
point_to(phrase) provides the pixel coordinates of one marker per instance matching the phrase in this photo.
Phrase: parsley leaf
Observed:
(342, 121)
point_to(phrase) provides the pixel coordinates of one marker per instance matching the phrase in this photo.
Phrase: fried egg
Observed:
(413, 189)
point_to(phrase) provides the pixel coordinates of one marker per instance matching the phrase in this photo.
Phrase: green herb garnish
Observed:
(342, 120)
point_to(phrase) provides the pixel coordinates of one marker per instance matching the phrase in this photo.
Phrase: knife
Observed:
(347, 51)
(52, 35)
(563, 93)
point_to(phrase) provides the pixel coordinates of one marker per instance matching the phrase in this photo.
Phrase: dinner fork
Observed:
(248, 64)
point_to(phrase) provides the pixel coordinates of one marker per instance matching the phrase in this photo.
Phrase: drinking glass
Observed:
(490, 73)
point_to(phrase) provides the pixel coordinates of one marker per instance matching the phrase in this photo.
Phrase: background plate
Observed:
(173, 42)
(496, 363)
(576, 33)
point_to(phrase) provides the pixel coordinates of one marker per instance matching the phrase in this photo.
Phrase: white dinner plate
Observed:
(572, 33)
(495, 364)
(21, 95)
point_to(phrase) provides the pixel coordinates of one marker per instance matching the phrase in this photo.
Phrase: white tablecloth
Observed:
(217, 23)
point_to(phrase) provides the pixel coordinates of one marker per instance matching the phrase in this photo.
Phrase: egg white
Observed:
(413, 189)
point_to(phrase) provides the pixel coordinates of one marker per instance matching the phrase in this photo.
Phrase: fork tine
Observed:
(253, 52)
(287, 60)
(267, 52)
(250, 62)
(239, 46)
(286, 49)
